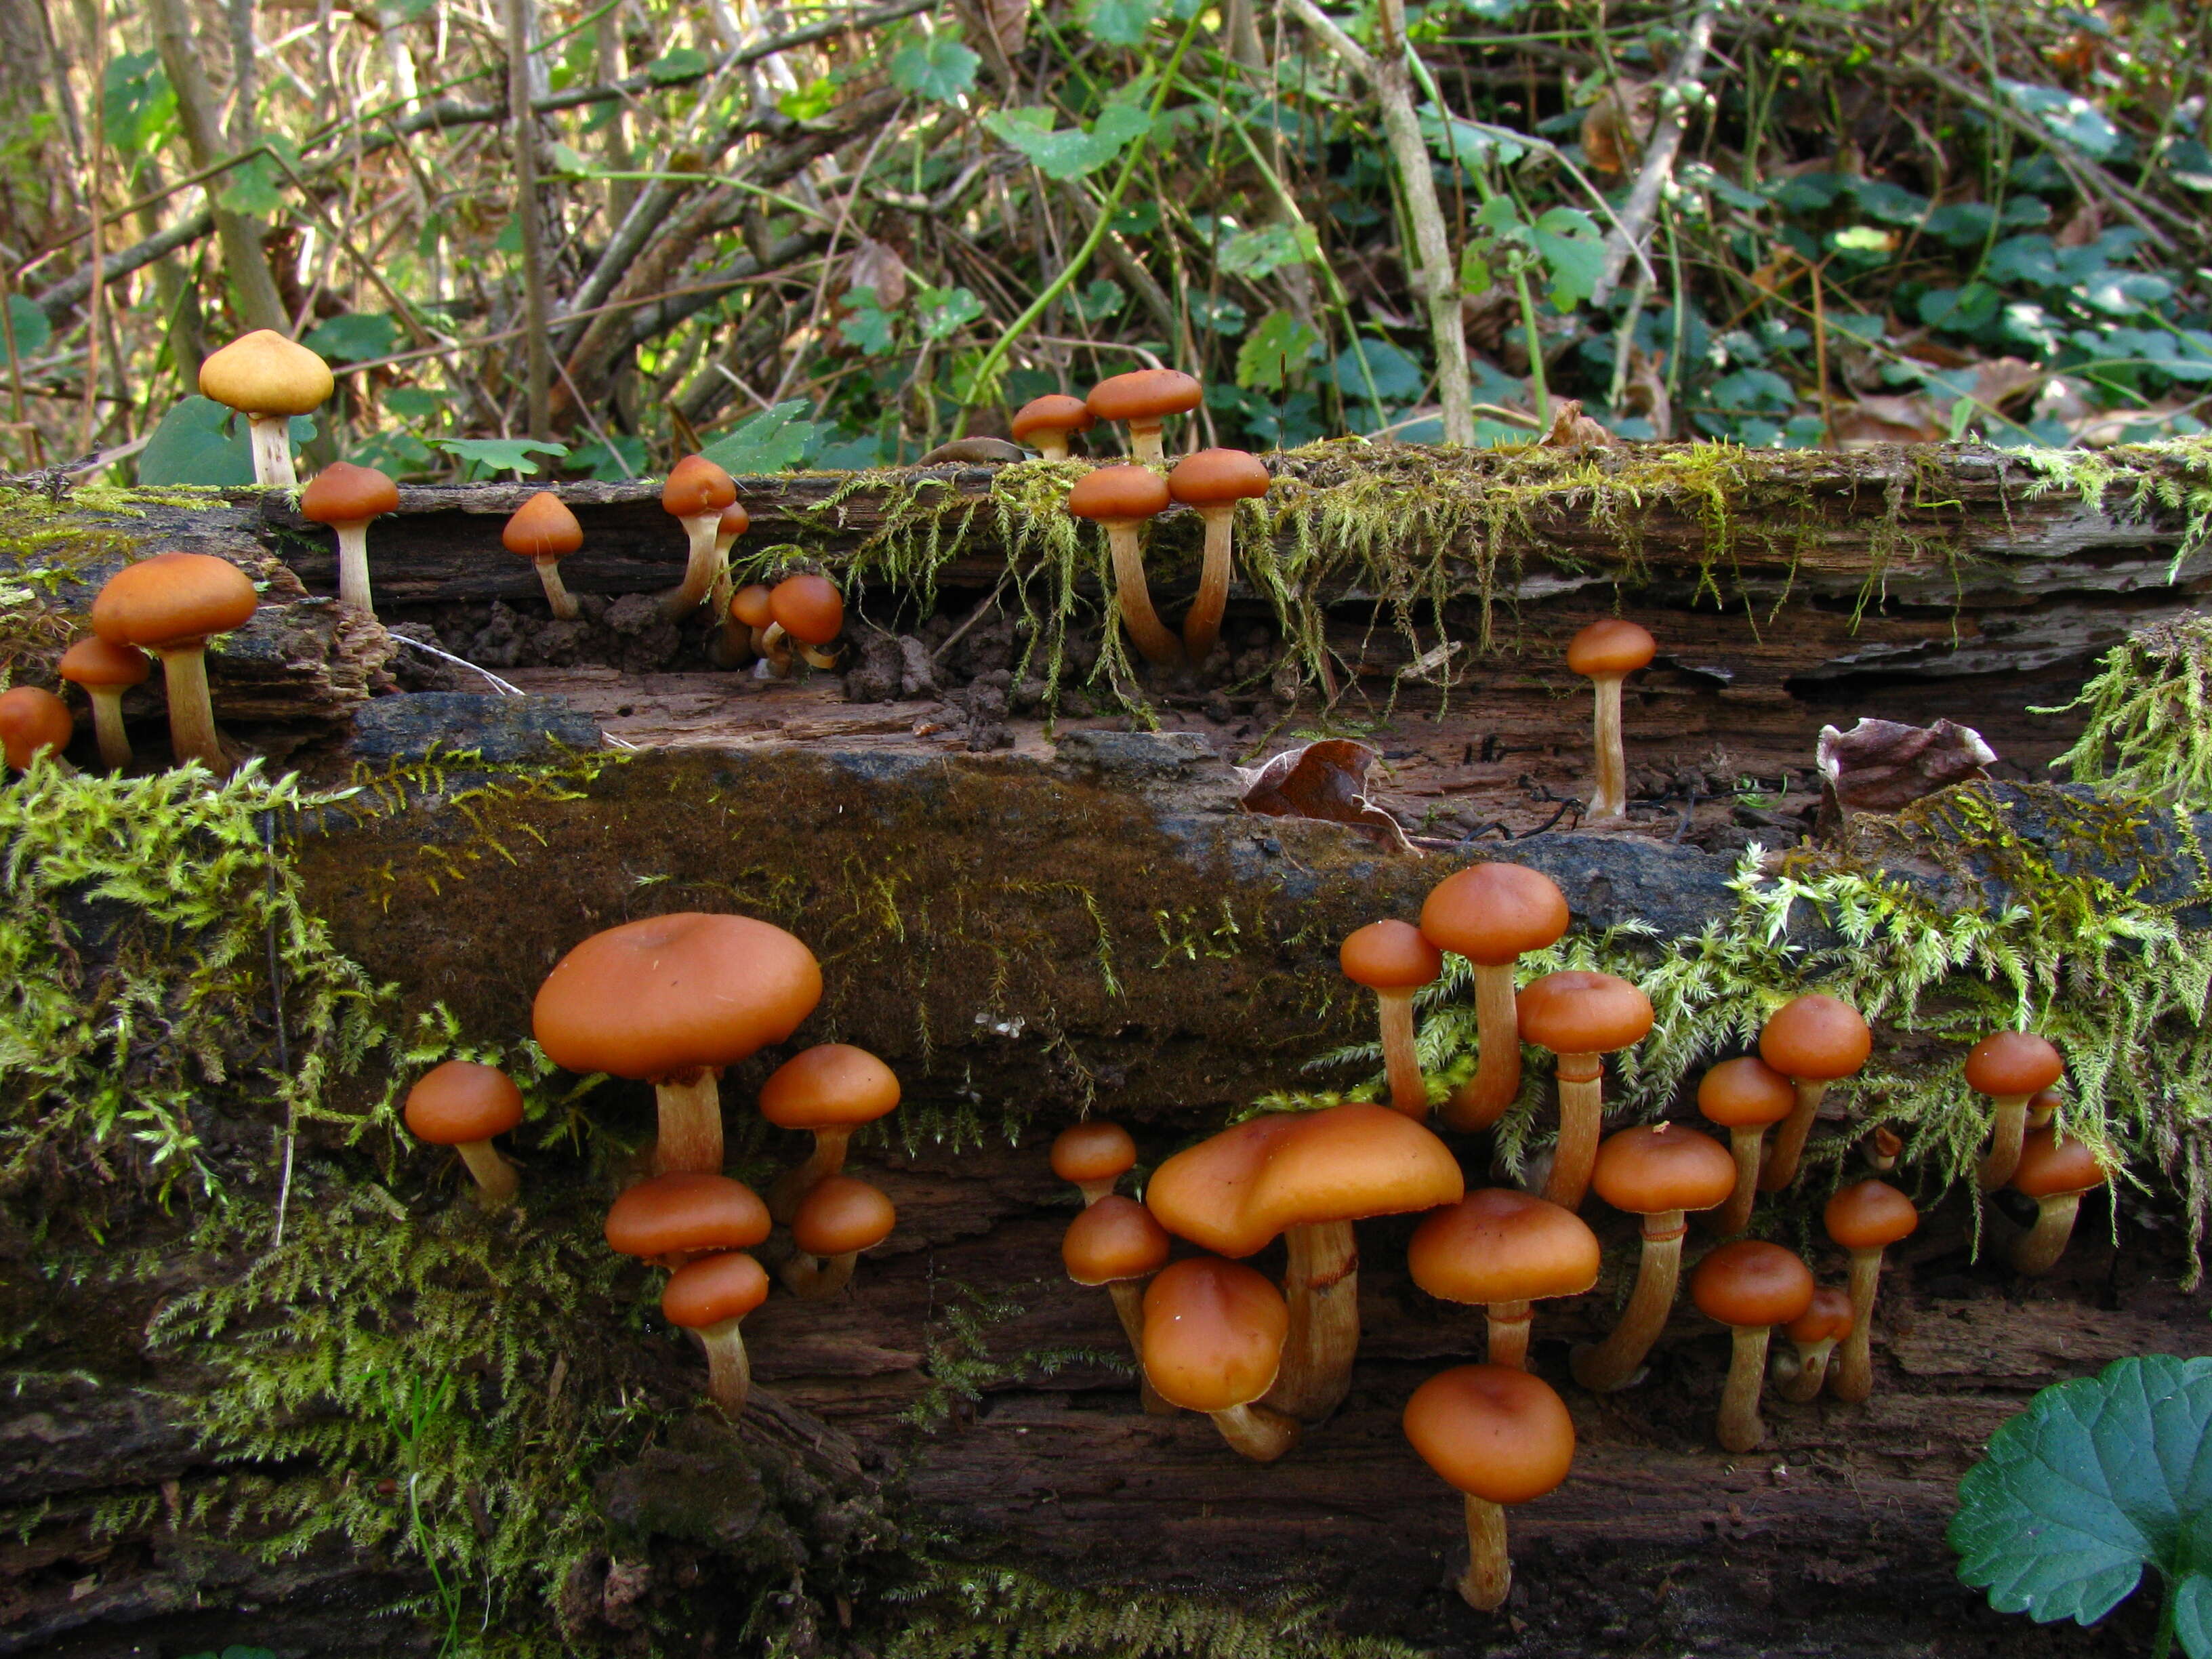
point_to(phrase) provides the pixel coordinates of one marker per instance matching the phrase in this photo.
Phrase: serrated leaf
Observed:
(943, 312)
(1068, 152)
(685, 63)
(353, 337)
(868, 326)
(501, 454)
(1117, 23)
(1273, 352)
(33, 331)
(770, 441)
(1574, 250)
(937, 67)
(195, 444)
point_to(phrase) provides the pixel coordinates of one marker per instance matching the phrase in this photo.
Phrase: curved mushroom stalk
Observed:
(496, 1181)
(1788, 1148)
(1740, 1429)
(1609, 798)
(1482, 1099)
(690, 1124)
(114, 739)
(1509, 1324)
(1798, 1378)
(1129, 1307)
(1134, 597)
(1746, 1142)
(1854, 1363)
(557, 595)
(729, 1371)
(1201, 624)
(1613, 1364)
(2008, 1130)
(1582, 1120)
(2038, 1250)
(192, 736)
(1320, 1282)
(1401, 1064)
(1256, 1433)
(700, 565)
(1488, 1579)
(815, 1277)
(827, 1158)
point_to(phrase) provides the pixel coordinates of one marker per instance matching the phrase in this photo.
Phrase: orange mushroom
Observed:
(1580, 1017)
(1503, 1250)
(1211, 482)
(1394, 960)
(34, 721)
(1660, 1172)
(734, 522)
(1047, 422)
(2010, 1067)
(1117, 1243)
(696, 492)
(106, 672)
(1492, 915)
(746, 618)
(1093, 1155)
(1607, 652)
(1501, 1436)
(1142, 400)
(1744, 1096)
(545, 531)
(710, 1297)
(2055, 1171)
(831, 1090)
(809, 609)
(463, 1105)
(1812, 1041)
(1213, 1342)
(346, 497)
(172, 604)
(1751, 1287)
(840, 1217)
(1120, 499)
(1825, 1322)
(672, 1217)
(1865, 1219)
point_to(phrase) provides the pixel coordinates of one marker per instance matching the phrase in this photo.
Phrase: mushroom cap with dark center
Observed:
(1751, 1282)
(1827, 1317)
(542, 527)
(727, 1285)
(2051, 1167)
(173, 598)
(1492, 913)
(674, 994)
(2013, 1063)
(33, 719)
(1499, 1245)
(1615, 645)
(734, 521)
(1869, 1215)
(696, 486)
(1053, 412)
(1579, 1013)
(749, 606)
(1657, 1167)
(673, 1212)
(809, 607)
(1235, 1192)
(343, 493)
(828, 1085)
(1214, 476)
(1114, 1238)
(1493, 1431)
(1743, 1092)
(94, 664)
(1816, 1037)
(841, 1215)
(264, 374)
(1213, 1335)
(1093, 1150)
(1145, 394)
(1389, 955)
(1115, 493)
(461, 1102)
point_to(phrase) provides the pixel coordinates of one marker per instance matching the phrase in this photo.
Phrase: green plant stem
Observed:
(1538, 385)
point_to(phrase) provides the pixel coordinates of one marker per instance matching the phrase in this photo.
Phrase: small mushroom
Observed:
(839, 1218)
(1503, 1249)
(1825, 1322)
(1501, 1436)
(1606, 652)
(34, 721)
(2042, 1108)
(106, 672)
(1883, 1147)
(463, 1105)
(268, 379)
(1094, 1155)
(1394, 960)
(696, 492)
(1812, 1041)
(1049, 420)
(346, 497)
(1865, 1219)
(545, 531)
(1744, 1096)
(2055, 1171)
(1580, 1017)
(1492, 915)
(1120, 499)
(2010, 1067)
(744, 620)
(1213, 1342)
(673, 1218)
(809, 609)
(172, 604)
(1751, 1287)
(1142, 400)
(1211, 482)
(1115, 1243)
(710, 1297)
(831, 1090)
(1660, 1172)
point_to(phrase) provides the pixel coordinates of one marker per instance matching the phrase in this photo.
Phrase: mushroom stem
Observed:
(1745, 1140)
(1320, 1281)
(1854, 1366)
(1145, 442)
(1052, 445)
(815, 1277)
(699, 569)
(1582, 1118)
(1482, 1099)
(729, 1373)
(773, 643)
(496, 1180)
(1740, 1429)
(271, 436)
(690, 1124)
(108, 725)
(556, 591)
(1489, 1575)
(1609, 800)
(1092, 1191)
(1613, 1364)
(1256, 1433)
(1409, 1090)
(2038, 1250)
(1135, 599)
(192, 714)
(353, 566)
(1803, 1383)
(1201, 624)
(1788, 1148)
(793, 1186)
(1508, 1333)
(1129, 1296)
(2006, 1130)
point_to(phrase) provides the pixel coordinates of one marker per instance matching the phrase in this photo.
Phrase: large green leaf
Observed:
(33, 331)
(936, 67)
(501, 454)
(1070, 152)
(2095, 1480)
(770, 441)
(194, 445)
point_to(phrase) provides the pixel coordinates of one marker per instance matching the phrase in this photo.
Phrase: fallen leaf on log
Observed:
(1325, 779)
(1880, 766)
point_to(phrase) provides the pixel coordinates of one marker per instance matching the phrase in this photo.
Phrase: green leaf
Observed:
(1960, 309)
(33, 331)
(1069, 152)
(868, 326)
(1117, 23)
(1275, 352)
(195, 445)
(353, 337)
(1962, 224)
(136, 102)
(1262, 253)
(1396, 376)
(683, 63)
(1574, 249)
(2095, 1480)
(413, 403)
(1103, 298)
(1474, 271)
(250, 188)
(622, 456)
(2074, 118)
(500, 454)
(772, 440)
(811, 101)
(936, 67)
(943, 312)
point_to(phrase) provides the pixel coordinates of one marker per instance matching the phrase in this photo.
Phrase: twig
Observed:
(276, 1011)
(522, 135)
(1627, 237)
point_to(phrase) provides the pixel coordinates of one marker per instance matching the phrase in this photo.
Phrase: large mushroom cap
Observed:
(1871, 1215)
(1752, 1283)
(1234, 1193)
(842, 1216)
(1389, 955)
(1739, 1094)
(173, 598)
(1053, 412)
(827, 1085)
(1827, 1317)
(1493, 1431)
(1213, 1335)
(1093, 1150)
(461, 1101)
(1499, 1245)
(264, 374)
(810, 607)
(343, 493)
(1816, 1037)
(1579, 1013)
(2051, 1167)
(95, 664)
(713, 1288)
(542, 527)
(1214, 476)
(678, 1212)
(1114, 1238)
(674, 994)
(2013, 1063)
(1662, 1166)
(1115, 493)
(1492, 913)
(34, 721)
(1615, 646)
(696, 486)
(1145, 394)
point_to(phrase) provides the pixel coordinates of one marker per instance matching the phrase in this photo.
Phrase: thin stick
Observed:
(538, 360)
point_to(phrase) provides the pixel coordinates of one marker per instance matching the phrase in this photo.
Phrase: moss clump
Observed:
(2149, 714)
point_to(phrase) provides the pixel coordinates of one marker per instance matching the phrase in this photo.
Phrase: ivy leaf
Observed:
(353, 337)
(33, 331)
(2096, 1480)
(500, 454)
(195, 445)
(1396, 376)
(1273, 352)
(868, 326)
(1068, 152)
(772, 440)
(937, 67)
(1118, 22)
(942, 312)
(2074, 118)
(1570, 242)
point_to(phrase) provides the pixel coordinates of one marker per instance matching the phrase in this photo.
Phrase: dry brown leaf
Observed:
(2083, 227)
(1325, 779)
(1887, 420)
(1615, 125)
(1880, 766)
(878, 265)
(1572, 427)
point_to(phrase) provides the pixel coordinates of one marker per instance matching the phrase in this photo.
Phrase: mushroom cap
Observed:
(1662, 1166)
(1816, 1037)
(841, 1215)
(1114, 1238)
(462, 1100)
(1145, 394)
(1746, 1092)
(2049, 1166)
(696, 486)
(1751, 1282)
(734, 521)
(33, 720)
(264, 374)
(1114, 493)
(1235, 1192)
(674, 994)
(1615, 646)
(343, 493)
(1095, 1150)
(1499, 1245)
(1827, 1317)
(1389, 955)
(713, 1288)
(1214, 1334)
(749, 606)
(1213, 476)
(1053, 412)
(92, 662)
(1492, 913)
(173, 598)
(673, 1213)
(828, 1085)
(2013, 1063)
(542, 527)
(810, 607)
(1869, 1215)
(1579, 1013)
(1493, 1431)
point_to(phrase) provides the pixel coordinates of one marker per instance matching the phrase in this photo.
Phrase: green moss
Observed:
(2149, 717)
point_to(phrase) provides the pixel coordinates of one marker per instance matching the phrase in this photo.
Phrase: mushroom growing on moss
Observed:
(2055, 1171)
(268, 379)
(1750, 1286)
(839, 1218)
(1825, 1322)
(1744, 1096)
(831, 1090)
(1117, 1243)
(1503, 1250)
(1213, 1342)
(2010, 1067)
(1119, 500)
(1865, 1219)
(710, 1297)
(1581, 1018)
(809, 609)
(1501, 1436)
(346, 497)
(34, 721)
(672, 1217)
(1492, 915)
(1050, 420)
(1211, 482)
(172, 604)
(1142, 400)
(1093, 1155)
(695, 494)
(545, 531)
(1660, 1172)
(1812, 1041)
(1394, 960)
(463, 1105)
(1606, 652)
(106, 672)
